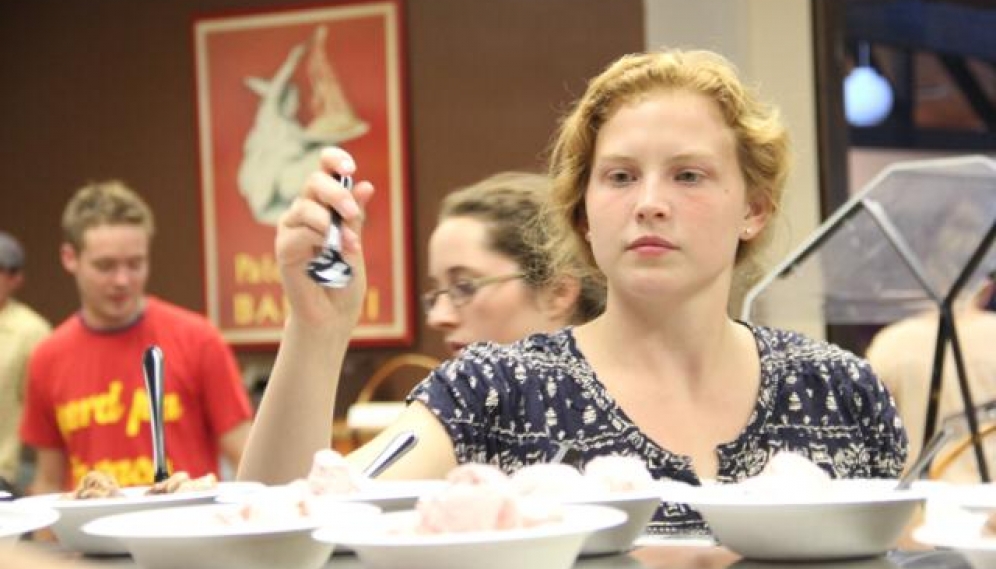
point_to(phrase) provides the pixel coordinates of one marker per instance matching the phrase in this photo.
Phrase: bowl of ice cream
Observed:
(258, 535)
(969, 539)
(802, 515)
(332, 479)
(478, 520)
(391, 542)
(19, 519)
(967, 525)
(852, 519)
(98, 495)
(639, 507)
(976, 498)
(619, 482)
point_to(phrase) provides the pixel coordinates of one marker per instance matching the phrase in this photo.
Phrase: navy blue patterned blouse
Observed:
(508, 405)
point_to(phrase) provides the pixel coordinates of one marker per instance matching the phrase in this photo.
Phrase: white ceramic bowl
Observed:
(550, 546)
(75, 513)
(961, 530)
(388, 495)
(979, 550)
(979, 498)
(19, 519)
(846, 519)
(199, 537)
(639, 507)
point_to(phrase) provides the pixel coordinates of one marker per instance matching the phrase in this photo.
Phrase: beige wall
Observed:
(771, 41)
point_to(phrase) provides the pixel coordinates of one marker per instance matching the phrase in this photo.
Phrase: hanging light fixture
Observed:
(867, 95)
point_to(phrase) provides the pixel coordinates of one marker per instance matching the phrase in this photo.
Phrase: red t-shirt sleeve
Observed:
(225, 399)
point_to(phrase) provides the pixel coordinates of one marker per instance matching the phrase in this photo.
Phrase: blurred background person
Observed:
(495, 280)
(86, 406)
(21, 328)
(902, 354)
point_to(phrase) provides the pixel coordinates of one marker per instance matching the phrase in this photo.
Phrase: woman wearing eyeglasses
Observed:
(494, 280)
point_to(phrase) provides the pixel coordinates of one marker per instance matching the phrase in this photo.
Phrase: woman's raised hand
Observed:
(301, 234)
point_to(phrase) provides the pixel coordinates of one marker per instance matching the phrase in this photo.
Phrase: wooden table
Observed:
(48, 556)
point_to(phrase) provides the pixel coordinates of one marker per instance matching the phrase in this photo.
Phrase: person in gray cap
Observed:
(21, 328)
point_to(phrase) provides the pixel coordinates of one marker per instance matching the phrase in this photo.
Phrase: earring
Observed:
(746, 231)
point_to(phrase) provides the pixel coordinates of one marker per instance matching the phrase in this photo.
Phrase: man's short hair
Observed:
(109, 202)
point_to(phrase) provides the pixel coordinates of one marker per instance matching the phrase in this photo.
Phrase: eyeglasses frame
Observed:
(431, 297)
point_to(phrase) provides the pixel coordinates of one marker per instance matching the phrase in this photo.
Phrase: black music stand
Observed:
(913, 239)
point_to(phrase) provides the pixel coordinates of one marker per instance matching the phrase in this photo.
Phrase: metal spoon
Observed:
(152, 365)
(568, 455)
(927, 453)
(398, 447)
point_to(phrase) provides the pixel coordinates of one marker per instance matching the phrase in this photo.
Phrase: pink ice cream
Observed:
(552, 481)
(789, 472)
(283, 509)
(614, 473)
(332, 474)
(480, 497)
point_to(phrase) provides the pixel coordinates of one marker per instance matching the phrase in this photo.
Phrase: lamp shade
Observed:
(867, 97)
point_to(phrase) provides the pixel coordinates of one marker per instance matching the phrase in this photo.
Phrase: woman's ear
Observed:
(585, 232)
(755, 218)
(559, 299)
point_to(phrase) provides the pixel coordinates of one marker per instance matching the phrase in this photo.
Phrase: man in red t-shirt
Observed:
(86, 406)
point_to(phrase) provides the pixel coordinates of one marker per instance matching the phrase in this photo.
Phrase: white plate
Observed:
(980, 498)
(639, 506)
(213, 536)
(75, 513)
(551, 546)
(388, 495)
(852, 518)
(963, 533)
(18, 519)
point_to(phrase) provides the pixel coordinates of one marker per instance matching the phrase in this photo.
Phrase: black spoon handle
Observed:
(152, 365)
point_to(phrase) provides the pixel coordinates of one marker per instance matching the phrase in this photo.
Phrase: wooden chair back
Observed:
(389, 370)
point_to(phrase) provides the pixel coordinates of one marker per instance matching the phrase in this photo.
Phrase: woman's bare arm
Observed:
(295, 415)
(432, 456)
